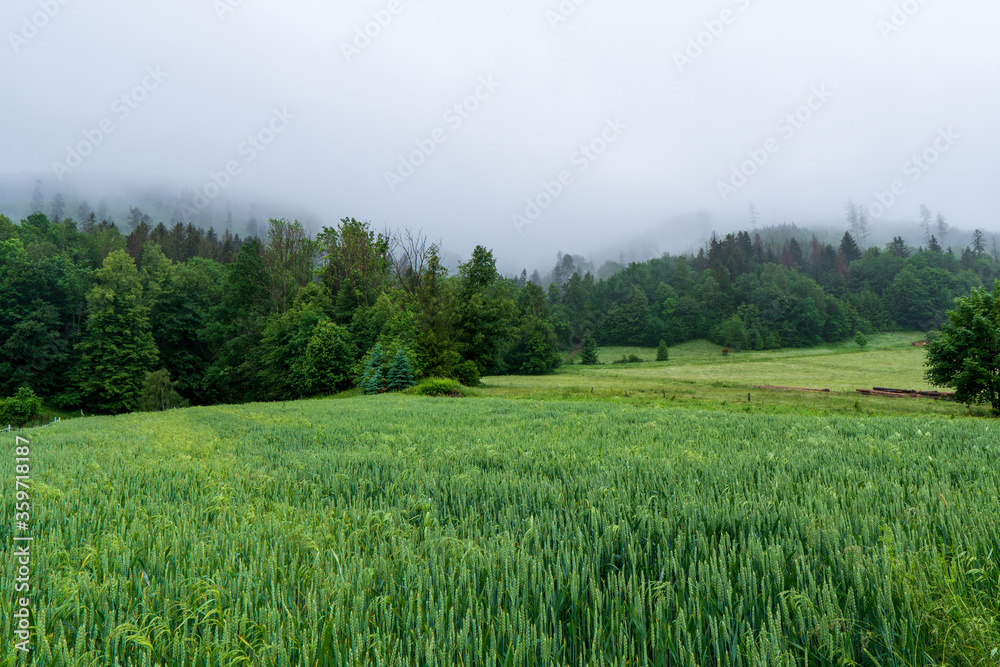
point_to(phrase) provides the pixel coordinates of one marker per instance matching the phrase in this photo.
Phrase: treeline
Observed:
(747, 294)
(94, 319)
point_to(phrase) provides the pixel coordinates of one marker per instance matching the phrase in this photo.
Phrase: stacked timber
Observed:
(907, 393)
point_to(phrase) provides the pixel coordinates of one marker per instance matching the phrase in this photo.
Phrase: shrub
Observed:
(468, 374)
(159, 393)
(663, 352)
(439, 387)
(21, 408)
(629, 359)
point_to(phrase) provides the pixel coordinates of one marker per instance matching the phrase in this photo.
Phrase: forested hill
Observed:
(748, 294)
(95, 319)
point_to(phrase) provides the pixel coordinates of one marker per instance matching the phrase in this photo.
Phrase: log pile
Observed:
(907, 393)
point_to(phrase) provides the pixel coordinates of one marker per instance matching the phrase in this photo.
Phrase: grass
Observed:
(698, 375)
(401, 530)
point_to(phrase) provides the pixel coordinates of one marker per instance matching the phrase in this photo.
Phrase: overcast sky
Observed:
(641, 109)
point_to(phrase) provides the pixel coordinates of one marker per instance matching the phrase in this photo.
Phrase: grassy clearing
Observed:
(698, 375)
(401, 530)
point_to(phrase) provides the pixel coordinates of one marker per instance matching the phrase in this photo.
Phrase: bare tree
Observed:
(942, 226)
(925, 222)
(411, 251)
(857, 218)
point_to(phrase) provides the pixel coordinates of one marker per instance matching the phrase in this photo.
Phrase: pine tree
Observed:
(83, 211)
(58, 207)
(849, 248)
(400, 374)
(372, 380)
(37, 199)
(942, 226)
(663, 352)
(589, 355)
(485, 312)
(979, 243)
(898, 248)
(925, 222)
(435, 321)
(860, 226)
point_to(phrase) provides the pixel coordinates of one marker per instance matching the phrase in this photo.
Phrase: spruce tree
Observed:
(663, 352)
(435, 320)
(372, 380)
(400, 374)
(589, 356)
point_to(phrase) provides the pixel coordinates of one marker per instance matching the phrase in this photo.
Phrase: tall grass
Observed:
(406, 531)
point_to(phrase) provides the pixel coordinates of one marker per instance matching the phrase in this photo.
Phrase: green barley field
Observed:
(503, 529)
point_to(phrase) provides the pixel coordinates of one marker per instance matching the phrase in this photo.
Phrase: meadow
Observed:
(401, 530)
(698, 375)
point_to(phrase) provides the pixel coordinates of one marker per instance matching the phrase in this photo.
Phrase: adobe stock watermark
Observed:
(34, 24)
(913, 169)
(225, 7)
(563, 13)
(900, 17)
(580, 161)
(714, 29)
(787, 127)
(122, 108)
(365, 34)
(246, 153)
(455, 117)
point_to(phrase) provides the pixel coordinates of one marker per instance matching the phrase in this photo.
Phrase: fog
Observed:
(529, 127)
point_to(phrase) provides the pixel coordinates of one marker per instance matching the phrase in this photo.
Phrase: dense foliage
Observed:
(21, 408)
(92, 318)
(87, 312)
(745, 293)
(966, 354)
(406, 531)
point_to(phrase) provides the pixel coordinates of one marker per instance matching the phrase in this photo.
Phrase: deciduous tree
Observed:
(118, 347)
(966, 354)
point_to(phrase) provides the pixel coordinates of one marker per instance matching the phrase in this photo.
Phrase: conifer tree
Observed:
(589, 356)
(435, 321)
(400, 374)
(663, 352)
(372, 379)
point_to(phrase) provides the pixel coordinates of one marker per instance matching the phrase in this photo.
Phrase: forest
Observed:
(750, 294)
(95, 319)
